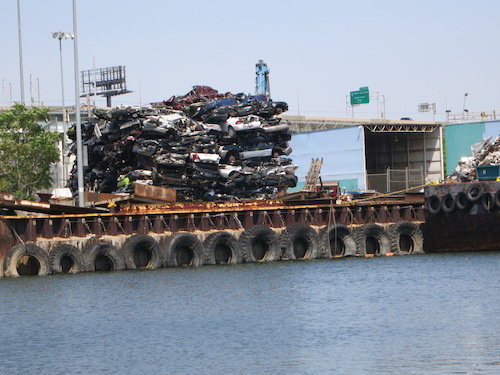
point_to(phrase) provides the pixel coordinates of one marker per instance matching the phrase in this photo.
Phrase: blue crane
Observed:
(262, 79)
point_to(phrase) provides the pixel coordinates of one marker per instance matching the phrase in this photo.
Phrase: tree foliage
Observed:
(27, 151)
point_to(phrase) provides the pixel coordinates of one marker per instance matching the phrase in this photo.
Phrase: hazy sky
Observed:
(410, 52)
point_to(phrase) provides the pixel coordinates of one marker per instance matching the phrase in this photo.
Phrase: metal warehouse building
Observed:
(364, 154)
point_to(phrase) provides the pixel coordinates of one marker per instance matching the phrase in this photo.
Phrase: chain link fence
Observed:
(395, 180)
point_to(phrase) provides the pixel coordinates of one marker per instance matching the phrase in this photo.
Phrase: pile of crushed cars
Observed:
(484, 153)
(205, 145)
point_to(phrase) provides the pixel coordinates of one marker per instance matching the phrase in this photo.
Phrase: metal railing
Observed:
(467, 116)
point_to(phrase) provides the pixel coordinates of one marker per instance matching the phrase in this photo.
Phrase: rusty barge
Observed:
(50, 238)
(462, 216)
(63, 239)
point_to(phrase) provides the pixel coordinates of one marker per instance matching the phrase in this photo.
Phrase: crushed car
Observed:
(205, 145)
(240, 124)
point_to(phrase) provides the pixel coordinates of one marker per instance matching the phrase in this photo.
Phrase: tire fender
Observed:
(142, 244)
(406, 237)
(372, 239)
(31, 250)
(56, 255)
(433, 204)
(448, 203)
(461, 201)
(336, 240)
(474, 192)
(488, 201)
(299, 241)
(259, 243)
(92, 251)
(183, 249)
(497, 198)
(215, 241)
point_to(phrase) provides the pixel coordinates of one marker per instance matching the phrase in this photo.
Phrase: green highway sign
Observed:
(360, 97)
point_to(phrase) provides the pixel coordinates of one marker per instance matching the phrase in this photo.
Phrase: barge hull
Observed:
(154, 236)
(462, 217)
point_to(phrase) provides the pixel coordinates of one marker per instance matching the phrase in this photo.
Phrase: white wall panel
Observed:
(342, 151)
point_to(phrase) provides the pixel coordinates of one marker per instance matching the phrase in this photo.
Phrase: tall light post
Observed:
(21, 70)
(63, 35)
(79, 146)
(464, 111)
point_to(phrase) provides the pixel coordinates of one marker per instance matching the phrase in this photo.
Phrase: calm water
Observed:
(430, 314)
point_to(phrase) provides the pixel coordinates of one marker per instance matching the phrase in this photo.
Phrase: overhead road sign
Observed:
(362, 96)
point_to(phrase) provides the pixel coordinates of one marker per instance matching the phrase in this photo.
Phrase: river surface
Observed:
(428, 314)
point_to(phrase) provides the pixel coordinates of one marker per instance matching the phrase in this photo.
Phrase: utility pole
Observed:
(79, 148)
(21, 70)
(62, 35)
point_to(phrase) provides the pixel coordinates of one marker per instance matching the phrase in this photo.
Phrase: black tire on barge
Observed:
(337, 241)
(298, 242)
(497, 198)
(475, 192)
(26, 259)
(102, 256)
(448, 203)
(141, 251)
(371, 239)
(65, 258)
(461, 201)
(222, 248)
(259, 243)
(406, 237)
(183, 249)
(488, 201)
(433, 204)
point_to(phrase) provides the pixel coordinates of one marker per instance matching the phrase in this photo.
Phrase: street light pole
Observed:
(21, 70)
(79, 147)
(463, 109)
(62, 35)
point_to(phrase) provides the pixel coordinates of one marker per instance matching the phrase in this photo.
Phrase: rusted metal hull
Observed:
(193, 217)
(455, 217)
(165, 235)
(462, 217)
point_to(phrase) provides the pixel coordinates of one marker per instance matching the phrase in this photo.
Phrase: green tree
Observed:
(27, 151)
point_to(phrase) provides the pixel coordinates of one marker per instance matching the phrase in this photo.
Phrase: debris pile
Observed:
(206, 104)
(205, 145)
(484, 153)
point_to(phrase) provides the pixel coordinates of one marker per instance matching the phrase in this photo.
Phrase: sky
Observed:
(318, 51)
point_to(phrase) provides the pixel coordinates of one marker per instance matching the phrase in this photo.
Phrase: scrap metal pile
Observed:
(484, 153)
(205, 145)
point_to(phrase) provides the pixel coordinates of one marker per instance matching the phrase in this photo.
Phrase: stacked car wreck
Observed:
(205, 145)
